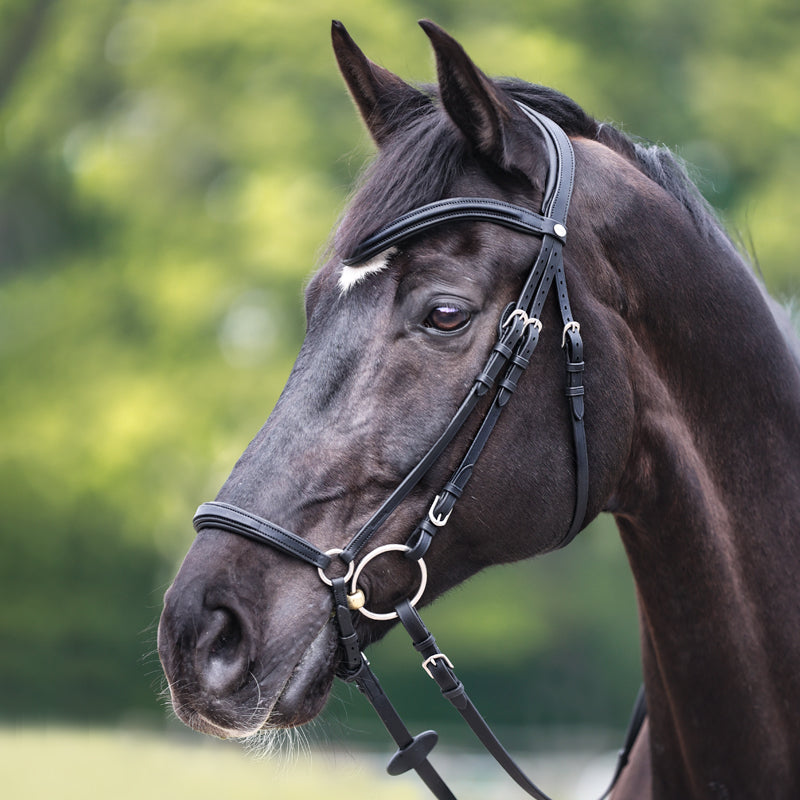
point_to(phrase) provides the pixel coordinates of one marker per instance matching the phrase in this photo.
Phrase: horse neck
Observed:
(708, 509)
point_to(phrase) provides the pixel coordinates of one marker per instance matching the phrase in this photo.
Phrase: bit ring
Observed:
(378, 551)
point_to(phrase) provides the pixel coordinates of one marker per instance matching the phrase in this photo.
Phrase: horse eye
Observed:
(447, 318)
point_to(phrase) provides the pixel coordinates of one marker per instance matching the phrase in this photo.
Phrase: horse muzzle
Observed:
(231, 675)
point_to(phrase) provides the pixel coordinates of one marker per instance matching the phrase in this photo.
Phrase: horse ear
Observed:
(470, 98)
(384, 100)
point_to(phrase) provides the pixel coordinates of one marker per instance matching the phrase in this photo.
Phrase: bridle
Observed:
(518, 335)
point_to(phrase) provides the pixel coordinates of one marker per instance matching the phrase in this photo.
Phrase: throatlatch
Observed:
(519, 330)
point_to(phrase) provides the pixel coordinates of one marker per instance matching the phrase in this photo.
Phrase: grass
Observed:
(54, 763)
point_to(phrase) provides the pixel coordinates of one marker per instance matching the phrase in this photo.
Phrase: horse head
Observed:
(391, 349)
(690, 427)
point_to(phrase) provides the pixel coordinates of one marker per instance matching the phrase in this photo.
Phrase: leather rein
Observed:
(518, 335)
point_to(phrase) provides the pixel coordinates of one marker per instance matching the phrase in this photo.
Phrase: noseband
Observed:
(518, 335)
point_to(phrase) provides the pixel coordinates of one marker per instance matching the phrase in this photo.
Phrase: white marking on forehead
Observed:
(350, 276)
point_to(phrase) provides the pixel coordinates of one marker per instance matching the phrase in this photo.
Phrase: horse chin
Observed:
(305, 692)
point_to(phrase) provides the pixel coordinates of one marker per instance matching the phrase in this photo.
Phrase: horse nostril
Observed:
(222, 661)
(229, 634)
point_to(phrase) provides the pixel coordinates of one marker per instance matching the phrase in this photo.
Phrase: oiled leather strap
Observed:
(561, 169)
(438, 666)
(226, 517)
(413, 750)
(453, 209)
(483, 382)
(574, 391)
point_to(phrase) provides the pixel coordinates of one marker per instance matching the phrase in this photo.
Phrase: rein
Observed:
(518, 335)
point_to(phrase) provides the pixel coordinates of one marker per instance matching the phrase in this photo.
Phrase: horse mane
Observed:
(420, 163)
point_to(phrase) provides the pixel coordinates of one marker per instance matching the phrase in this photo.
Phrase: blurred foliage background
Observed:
(169, 172)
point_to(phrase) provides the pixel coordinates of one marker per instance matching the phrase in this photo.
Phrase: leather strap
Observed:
(349, 646)
(226, 517)
(452, 209)
(482, 384)
(638, 716)
(561, 169)
(438, 666)
(413, 750)
(574, 391)
(454, 488)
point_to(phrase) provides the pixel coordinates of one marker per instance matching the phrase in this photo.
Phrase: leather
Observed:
(413, 750)
(439, 668)
(574, 392)
(637, 719)
(452, 209)
(349, 646)
(561, 167)
(454, 488)
(226, 517)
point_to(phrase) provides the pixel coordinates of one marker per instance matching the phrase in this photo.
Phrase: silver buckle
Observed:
(570, 326)
(517, 312)
(439, 521)
(432, 660)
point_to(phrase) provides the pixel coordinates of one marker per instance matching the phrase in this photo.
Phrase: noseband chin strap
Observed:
(518, 336)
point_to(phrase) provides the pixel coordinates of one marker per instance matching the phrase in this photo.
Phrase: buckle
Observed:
(517, 312)
(570, 326)
(439, 521)
(432, 660)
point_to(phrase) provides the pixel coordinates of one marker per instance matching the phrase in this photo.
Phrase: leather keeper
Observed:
(457, 695)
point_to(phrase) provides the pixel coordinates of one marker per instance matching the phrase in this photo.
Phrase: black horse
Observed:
(692, 424)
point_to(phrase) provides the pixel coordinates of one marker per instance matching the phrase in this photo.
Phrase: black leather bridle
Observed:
(518, 335)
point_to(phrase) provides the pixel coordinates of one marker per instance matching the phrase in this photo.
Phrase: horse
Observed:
(688, 394)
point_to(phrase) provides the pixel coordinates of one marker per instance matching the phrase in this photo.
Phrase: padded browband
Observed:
(451, 210)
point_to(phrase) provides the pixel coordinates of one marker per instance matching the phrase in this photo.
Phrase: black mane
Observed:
(424, 158)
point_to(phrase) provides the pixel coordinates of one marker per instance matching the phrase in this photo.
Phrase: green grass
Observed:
(52, 763)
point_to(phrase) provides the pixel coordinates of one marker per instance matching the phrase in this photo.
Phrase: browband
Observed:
(451, 210)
